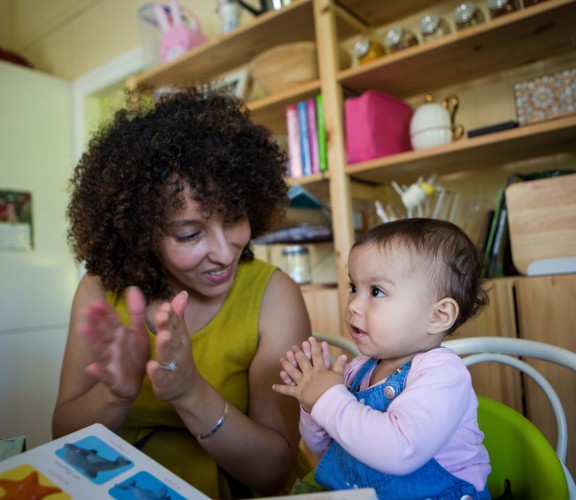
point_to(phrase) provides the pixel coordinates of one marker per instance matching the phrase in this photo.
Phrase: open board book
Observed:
(95, 463)
(90, 463)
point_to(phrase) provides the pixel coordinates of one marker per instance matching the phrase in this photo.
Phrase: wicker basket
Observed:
(285, 65)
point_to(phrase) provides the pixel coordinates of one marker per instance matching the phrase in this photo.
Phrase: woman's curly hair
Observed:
(136, 167)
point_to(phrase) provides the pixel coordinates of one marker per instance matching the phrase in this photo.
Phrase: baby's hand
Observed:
(307, 374)
(306, 348)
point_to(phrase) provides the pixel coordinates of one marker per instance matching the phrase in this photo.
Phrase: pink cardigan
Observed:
(435, 416)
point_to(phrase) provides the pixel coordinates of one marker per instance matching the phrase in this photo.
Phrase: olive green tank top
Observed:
(223, 351)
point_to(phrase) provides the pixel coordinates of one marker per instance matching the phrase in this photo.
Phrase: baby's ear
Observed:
(444, 314)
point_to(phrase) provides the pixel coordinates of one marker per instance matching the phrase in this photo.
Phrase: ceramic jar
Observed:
(433, 124)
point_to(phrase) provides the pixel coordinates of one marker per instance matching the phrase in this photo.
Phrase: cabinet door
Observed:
(546, 313)
(322, 304)
(497, 319)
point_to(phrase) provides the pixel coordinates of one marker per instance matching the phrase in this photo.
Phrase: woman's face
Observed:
(202, 254)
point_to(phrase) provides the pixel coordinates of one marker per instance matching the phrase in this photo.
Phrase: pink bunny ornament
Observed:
(177, 39)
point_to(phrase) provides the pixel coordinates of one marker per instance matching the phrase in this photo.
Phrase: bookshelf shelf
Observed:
(270, 110)
(539, 32)
(540, 139)
(226, 52)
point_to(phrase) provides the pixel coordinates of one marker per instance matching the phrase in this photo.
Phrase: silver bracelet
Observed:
(217, 425)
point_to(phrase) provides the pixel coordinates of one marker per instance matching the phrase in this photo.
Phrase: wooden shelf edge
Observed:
(477, 50)
(232, 50)
(534, 140)
(287, 96)
(308, 179)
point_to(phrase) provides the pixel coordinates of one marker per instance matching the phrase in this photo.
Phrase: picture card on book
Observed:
(90, 463)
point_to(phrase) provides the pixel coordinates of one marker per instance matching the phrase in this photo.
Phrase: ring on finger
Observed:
(171, 366)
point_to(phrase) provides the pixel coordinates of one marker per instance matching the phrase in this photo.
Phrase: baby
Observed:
(402, 417)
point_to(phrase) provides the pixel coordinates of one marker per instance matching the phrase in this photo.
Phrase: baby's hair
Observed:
(453, 263)
(138, 166)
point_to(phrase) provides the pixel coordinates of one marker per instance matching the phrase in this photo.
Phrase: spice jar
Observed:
(466, 15)
(367, 49)
(398, 39)
(298, 263)
(433, 26)
(498, 8)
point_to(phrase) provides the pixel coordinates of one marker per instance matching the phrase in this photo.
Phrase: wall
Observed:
(68, 38)
(37, 285)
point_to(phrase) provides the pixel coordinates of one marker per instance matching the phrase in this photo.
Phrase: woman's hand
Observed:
(119, 352)
(173, 370)
(307, 373)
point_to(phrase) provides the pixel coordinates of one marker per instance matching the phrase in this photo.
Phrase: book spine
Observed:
(304, 138)
(321, 125)
(494, 224)
(496, 263)
(294, 152)
(313, 134)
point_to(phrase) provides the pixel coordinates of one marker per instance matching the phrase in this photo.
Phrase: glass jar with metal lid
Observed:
(367, 49)
(298, 263)
(398, 39)
(500, 7)
(467, 14)
(433, 26)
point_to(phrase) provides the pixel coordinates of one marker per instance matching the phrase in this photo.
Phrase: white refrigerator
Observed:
(37, 284)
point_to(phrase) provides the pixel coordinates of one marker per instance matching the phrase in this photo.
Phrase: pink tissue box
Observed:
(377, 124)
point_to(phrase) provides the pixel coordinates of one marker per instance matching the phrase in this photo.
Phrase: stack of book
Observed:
(306, 137)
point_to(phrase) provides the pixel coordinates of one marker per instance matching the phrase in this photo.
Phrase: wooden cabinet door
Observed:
(497, 319)
(322, 304)
(547, 313)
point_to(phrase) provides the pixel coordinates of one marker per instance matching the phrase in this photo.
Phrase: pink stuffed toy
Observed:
(177, 39)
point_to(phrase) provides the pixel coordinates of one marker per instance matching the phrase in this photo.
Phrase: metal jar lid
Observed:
(429, 24)
(361, 47)
(496, 4)
(295, 250)
(394, 37)
(464, 12)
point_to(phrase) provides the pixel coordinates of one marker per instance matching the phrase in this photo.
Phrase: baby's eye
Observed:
(376, 292)
(352, 287)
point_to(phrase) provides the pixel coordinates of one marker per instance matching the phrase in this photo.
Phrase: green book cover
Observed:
(494, 225)
(322, 146)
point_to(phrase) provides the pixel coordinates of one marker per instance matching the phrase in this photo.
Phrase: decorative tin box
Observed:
(545, 97)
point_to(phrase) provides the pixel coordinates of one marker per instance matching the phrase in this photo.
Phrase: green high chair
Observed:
(524, 464)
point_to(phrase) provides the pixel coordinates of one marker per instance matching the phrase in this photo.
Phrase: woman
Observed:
(176, 329)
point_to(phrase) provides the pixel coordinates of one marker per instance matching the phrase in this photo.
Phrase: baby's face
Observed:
(390, 305)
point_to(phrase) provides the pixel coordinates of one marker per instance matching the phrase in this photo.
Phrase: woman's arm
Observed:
(258, 449)
(103, 362)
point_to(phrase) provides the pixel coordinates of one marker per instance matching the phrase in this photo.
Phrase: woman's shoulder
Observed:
(255, 269)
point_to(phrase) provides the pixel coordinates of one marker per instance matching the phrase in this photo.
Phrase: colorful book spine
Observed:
(304, 138)
(321, 125)
(294, 150)
(313, 134)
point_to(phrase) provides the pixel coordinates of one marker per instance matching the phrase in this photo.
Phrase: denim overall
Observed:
(339, 470)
